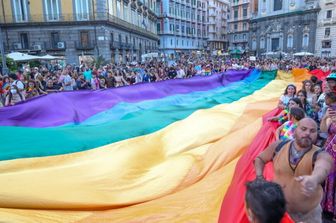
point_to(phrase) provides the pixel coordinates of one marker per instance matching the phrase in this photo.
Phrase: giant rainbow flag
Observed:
(172, 151)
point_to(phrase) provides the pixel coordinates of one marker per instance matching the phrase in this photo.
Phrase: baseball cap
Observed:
(331, 76)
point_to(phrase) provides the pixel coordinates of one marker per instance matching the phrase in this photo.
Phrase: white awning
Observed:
(17, 56)
(301, 54)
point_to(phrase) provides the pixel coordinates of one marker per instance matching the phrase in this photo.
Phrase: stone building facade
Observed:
(326, 29)
(241, 12)
(118, 30)
(182, 26)
(218, 24)
(287, 26)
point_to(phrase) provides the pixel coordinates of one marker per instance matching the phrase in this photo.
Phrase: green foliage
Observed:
(34, 63)
(99, 61)
(11, 65)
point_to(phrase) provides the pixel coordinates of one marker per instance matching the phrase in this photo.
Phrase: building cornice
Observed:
(301, 12)
(120, 25)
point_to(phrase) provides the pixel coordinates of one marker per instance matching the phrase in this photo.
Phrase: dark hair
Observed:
(314, 79)
(290, 85)
(266, 200)
(297, 113)
(331, 96)
(297, 101)
(13, 76)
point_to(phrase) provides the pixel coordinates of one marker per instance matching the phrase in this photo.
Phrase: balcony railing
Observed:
(87, 45)
(120, 45)
(67, 18)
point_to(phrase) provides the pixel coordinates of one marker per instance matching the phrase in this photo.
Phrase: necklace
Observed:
(295, 156)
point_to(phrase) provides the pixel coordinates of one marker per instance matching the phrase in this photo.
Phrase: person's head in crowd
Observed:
(302, 95)
(12, 76)
(265, 202)
(294, 103)
(305, 134)
(314, 79)
(307, 85)
(31, 85)
(296, 114)
(317, 89)
(102, 81)
(331, 81)
(330, 98)
(50, 83)
(290, 90)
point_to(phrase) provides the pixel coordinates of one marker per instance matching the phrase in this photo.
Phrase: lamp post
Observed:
(3, 57)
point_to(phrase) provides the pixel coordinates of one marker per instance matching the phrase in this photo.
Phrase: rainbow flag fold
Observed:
(159, 152)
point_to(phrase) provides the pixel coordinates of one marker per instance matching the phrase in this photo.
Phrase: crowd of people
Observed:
(304, 175)
(304, 155)
(27, 83)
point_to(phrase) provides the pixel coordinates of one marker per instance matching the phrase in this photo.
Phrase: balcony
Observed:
(120, 45)
(115, 45)
(75, 19)
(126, 46)
(88, 45)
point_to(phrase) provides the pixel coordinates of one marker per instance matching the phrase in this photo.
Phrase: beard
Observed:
(304, 142)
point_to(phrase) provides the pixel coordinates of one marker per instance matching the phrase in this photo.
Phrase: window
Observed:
(52, 10)
(171, 9)
(82, 9)
(244, 36)
(262, 43)
(20, 10)
(290, 41)
(171, 41)
(245, 12)
(110, 6)
(254, 44)
(118, 9)
(54, 39)
(84, 38)
(277, 5)
(235, 37)
(235, 14)
(235, 27)
(24, 40)
(275, 44)
(327, 32)
(171, 27)
(158, 27)
(329, 14)
(244, 26)
(125, 13)
(305, 41)
(326, 44)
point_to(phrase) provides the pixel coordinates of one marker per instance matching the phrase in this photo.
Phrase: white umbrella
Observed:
(301, 54)
(17, 56)
(48, 57)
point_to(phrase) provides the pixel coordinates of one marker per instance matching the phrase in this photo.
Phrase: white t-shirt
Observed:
(180, 73)
(67, 83)
(285, 99)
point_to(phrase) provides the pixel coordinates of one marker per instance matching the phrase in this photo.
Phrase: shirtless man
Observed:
(299, 167)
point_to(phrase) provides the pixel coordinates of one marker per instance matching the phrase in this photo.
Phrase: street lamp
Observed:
(3, 57)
